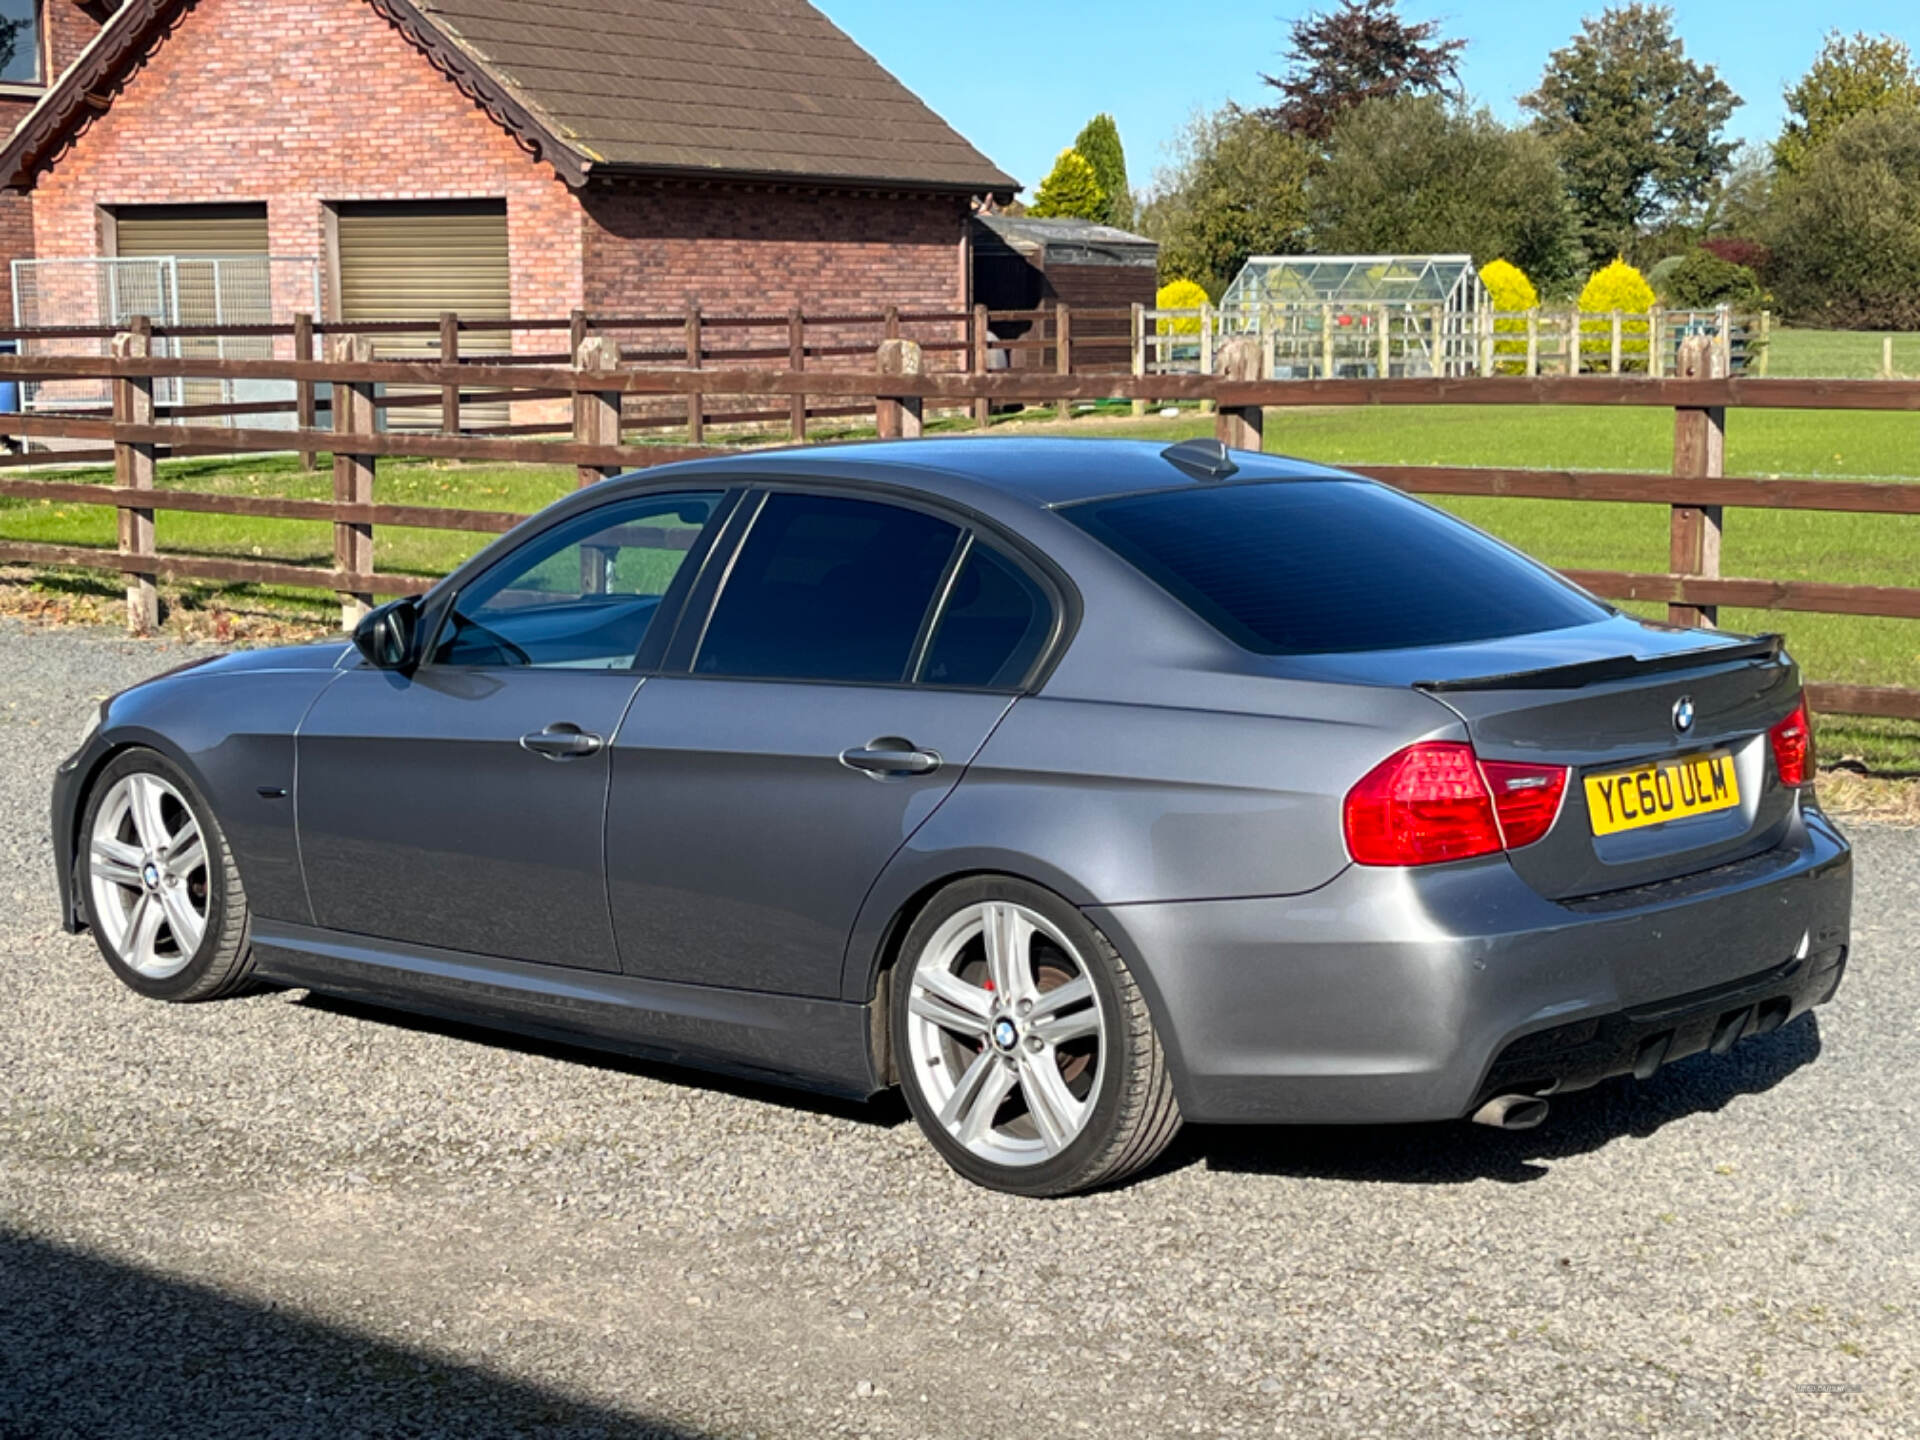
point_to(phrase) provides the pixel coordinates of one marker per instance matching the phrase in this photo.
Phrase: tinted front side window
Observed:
(992, 628)
(579, 596)
(827, 588)
(1324, 567)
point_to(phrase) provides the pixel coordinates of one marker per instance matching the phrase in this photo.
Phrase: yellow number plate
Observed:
(1670, 790)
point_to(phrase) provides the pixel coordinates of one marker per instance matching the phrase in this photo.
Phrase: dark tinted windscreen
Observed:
(1322, 567)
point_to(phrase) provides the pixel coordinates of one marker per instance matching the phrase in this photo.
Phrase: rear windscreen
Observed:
(1326, 566)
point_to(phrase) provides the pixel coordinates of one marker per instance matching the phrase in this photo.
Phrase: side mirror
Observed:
(387, 635)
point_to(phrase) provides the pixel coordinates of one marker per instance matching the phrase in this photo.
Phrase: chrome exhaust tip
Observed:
(1512, 1112)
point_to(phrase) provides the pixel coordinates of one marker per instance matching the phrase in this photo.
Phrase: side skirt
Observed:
(820, 1045)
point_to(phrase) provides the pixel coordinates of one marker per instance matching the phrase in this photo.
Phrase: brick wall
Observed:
(649, 249)
(70, 25)
(296, 103)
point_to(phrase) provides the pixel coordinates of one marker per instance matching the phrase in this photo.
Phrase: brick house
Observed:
(521, 157)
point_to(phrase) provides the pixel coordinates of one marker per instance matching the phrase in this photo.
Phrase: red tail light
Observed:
(1436, 801)
(1792, 741)
(1425, 804)
(1526, 797)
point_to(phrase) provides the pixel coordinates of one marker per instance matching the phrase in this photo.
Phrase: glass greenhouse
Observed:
(1357, 316)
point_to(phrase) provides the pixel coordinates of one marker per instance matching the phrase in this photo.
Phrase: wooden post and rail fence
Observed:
(898, 391)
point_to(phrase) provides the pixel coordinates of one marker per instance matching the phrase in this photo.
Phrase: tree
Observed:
(1363, 50)
(1701, 280)
(1637, 125)
(1237, 189)
(1099, 141)
(1421, 175)
(1852, 74)
(1070, 189)
(1845, 231)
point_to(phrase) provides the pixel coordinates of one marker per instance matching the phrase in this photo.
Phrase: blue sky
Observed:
(1019, 77)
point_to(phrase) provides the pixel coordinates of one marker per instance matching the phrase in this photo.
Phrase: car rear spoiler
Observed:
(1614, 667)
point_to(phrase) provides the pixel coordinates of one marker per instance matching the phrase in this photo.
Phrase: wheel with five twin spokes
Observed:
(1024, 1045)
(161, 892)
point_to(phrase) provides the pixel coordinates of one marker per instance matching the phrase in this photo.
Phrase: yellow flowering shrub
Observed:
(1510, 293)
(1179, 295)
(1617, 286)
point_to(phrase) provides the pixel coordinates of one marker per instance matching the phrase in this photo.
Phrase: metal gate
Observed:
(217, 291)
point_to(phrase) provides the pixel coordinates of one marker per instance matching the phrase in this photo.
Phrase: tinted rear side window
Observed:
(1324, 567)
(992, 628)
(827, 589)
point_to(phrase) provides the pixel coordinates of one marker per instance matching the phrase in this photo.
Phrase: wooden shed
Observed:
(1024, 263)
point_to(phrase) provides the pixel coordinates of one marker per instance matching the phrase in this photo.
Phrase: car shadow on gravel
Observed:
(883, 1112)
(1458, 1152)
(89, 1346)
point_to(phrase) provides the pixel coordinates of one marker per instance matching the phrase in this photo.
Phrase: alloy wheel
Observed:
(147, 868)
(1005, 1033)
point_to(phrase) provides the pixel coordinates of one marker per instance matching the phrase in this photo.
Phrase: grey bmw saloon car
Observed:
(1077, 788)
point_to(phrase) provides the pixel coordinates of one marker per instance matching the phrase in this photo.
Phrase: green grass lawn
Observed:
(1858, 549)
(1839, 354)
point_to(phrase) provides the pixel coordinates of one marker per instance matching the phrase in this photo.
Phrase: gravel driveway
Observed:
(283, 1216)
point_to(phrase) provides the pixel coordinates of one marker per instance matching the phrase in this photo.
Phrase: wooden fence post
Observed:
(1483, 322)
(1206, 348)
(1886, 357)
(304, 403)
(1384, 340)
(596, 413)
(450, 355)
(696, 403)
(898, 417)
(1575, 341)
(797, 362)
(1269, 342)
(1063, 353)
(1326, 342)
(1766, 340)
(1139, 355)
(353, 415)
(1240, 427)
(133, 467)
(1699, 449)
(890, 323)
(980, 361)
(1613, 363)
(1533, 342)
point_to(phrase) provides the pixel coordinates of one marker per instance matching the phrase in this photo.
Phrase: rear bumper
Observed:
(1404, 995)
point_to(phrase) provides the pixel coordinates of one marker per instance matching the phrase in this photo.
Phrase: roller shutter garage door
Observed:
(415, 260)
(198, 230)
(208, 291)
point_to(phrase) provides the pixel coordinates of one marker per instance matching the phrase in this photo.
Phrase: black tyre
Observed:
(159, 885)
(1023, 1044)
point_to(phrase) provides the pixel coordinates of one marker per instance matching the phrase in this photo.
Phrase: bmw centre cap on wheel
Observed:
(1683, 715)
(1005, 1035)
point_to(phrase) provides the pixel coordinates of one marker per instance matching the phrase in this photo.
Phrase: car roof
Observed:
(1043, 471)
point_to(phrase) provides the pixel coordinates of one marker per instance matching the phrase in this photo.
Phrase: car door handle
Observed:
(561, 741)
(890, 755)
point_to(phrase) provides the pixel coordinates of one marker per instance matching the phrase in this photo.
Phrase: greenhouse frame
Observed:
(1322, 317)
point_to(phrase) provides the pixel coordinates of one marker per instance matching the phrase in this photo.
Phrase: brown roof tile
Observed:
(726, 86)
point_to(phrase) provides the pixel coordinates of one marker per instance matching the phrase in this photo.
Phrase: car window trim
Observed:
(937, 608)
(445, 605)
